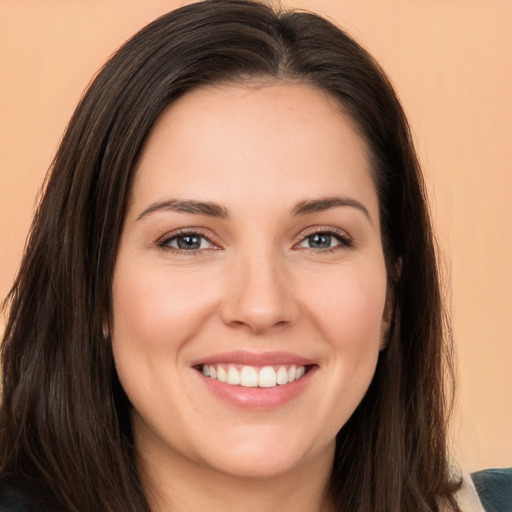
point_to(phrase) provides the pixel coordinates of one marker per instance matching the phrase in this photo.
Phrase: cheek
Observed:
(349, 316)
(156, 313)
(347, 312)
(348, 306)
(157, 310)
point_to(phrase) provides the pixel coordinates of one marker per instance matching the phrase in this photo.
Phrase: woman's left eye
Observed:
(324, 240)
(187, 242)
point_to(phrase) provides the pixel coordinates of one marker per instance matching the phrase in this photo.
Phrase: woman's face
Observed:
(251, 254)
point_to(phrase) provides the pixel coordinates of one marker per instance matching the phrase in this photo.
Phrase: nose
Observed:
(260, 295)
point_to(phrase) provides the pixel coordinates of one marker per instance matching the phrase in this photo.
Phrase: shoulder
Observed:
(18, 495)
(494, 488)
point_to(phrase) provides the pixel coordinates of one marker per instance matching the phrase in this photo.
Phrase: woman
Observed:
(230, 295)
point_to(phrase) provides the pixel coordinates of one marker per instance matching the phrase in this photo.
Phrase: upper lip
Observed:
(254, 359)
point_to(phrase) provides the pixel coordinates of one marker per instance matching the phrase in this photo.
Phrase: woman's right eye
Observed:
(187, 242)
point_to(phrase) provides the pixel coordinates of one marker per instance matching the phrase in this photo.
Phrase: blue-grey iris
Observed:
(189, 242)
(319, 241)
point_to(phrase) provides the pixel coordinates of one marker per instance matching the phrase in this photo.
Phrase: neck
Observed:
(182, 486)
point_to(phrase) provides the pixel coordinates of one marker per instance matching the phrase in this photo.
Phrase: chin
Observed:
(269, 459)
(257, 467)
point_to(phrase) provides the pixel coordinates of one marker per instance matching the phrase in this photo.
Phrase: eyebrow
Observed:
(187, 206)
(211, 209)
(327, 203)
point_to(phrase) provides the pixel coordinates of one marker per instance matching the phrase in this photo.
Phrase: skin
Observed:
(256, 284)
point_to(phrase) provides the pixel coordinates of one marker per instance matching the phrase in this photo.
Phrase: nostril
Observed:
(260, 326)
(238, 323)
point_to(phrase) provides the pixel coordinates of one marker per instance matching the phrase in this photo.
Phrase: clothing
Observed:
(489, 490)
(467, 497)
(494, 488)
(485, 491)
(15, 498)
(21, 496)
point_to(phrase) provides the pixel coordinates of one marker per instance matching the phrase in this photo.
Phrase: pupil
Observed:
(320, 241)
(189, 242)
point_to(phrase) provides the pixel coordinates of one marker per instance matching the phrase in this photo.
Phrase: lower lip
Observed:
(258, 398)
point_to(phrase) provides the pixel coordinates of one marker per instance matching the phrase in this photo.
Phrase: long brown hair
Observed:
(65, 420)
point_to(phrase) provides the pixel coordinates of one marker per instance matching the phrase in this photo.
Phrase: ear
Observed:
(387, 317)
(105, 328)
(389, 307)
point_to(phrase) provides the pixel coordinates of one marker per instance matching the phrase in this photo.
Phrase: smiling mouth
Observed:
(254, 376)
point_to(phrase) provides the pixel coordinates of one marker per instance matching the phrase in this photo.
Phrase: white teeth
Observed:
(233, 376)
(282, 376)
(221, 374)
(267, 377)
(251, 377)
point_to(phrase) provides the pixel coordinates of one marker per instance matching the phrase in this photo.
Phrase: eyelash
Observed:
(164, 243)
(345, 242)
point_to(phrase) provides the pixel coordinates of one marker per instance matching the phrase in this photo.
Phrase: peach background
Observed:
(452, 66)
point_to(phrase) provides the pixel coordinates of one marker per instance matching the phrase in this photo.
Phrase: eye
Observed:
(325, 240)
(187, 242)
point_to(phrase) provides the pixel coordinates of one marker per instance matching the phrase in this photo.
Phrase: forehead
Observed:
(285, 138)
